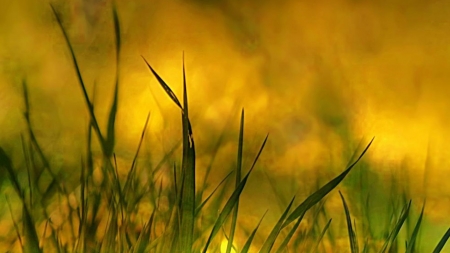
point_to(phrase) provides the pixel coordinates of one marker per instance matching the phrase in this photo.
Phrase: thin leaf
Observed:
(322, 192)
(351, 233)
(442, 242)
(249, 241)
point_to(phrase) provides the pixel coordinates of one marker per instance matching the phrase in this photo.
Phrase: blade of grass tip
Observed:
(164, 85)
(322, 235)
(398, 226)
(289, 236)
(322, 192)
(136, 154)
(442, 242)
(268, 244)
(249, 241)
(199, 208)
(81, 82)
(110, 140)
(412, 241)
(238, 180)
(351, 233)
(188, 185)
(231, 201)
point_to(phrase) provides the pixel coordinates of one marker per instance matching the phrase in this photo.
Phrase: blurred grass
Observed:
(105, 212)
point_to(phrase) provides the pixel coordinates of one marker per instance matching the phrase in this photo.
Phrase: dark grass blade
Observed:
(351, 233)
(232, 201)
(322, 235)
(268, 244)
(187, 191)
(322, 192)
(110, 140)
(288, 237)
(31, 244)
(238, 180)
(132, 172)
(393, 235)
(199, 208)
(411, 248)
(442, 242)
(164, 85)
(249, 241)
(188, 177)
(82, 85)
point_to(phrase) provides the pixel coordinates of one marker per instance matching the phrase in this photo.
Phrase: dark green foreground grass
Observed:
(103, 213)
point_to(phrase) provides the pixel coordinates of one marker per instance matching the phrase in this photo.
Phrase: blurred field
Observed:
(322, 78)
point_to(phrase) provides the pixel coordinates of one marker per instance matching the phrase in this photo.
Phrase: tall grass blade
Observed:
(411, 248)
(322, 235)
(249, 241)
(199, 208)
(231, 201)
(393, 235)
(238, 180)
(109, 145)
(442, 242)
(82, 85)
(322, 192)
(351, 233)
(268, 244)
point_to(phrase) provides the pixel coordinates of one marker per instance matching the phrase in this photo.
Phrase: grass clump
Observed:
(104, 212)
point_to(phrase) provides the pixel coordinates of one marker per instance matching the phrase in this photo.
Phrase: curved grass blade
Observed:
(268, 244)
(289, 236)
(442, 242)
(325, 229)
(238, 180)
(164, 85)
(411, 248)
(94, 121)
(231, 201)
(249, 241)
(351, 233)
(391, 238)
(322, 192)
(199, 208)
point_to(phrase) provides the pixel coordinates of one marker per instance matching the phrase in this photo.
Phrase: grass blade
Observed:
(442, 242)
(232, 201)
(238, 180)
(268, 244)
(322, 235)
(322, 192)
(391, 238)
(412, 242)
(249, 241)
(351, 233)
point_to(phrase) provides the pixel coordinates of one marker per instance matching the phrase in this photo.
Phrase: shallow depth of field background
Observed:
(319, 76)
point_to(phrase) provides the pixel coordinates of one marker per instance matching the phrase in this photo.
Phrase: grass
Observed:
(103, 214)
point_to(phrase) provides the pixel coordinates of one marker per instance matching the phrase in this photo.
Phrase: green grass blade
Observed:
(289, 236)
(199, 208)
(31, 244)
(442, 242)
(268, 244)
(351, 233)
(164, 85)
(238, 180)
(82, 85)
(249, 241)
(322, 235)
(322, 192)
(411, 248)
(393, 235)
(232, 201)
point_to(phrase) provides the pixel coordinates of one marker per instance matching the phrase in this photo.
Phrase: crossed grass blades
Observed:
(104, 215)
